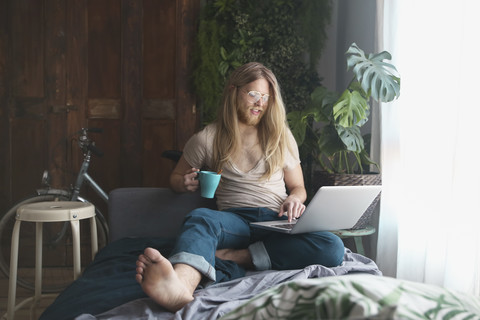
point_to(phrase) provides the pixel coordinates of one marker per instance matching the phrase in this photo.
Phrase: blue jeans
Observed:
(206, 230)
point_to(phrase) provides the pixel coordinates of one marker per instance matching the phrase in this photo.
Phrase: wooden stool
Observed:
(357, 235)
(40, 212)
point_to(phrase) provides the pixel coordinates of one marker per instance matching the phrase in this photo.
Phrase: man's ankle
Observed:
(241, 257)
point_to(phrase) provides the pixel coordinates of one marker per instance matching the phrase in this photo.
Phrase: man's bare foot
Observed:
(241, 257)
(160, 282)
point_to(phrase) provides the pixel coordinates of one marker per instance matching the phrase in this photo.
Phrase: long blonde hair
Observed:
(272, 129)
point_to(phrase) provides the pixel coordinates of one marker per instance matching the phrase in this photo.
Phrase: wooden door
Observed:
(120, 65)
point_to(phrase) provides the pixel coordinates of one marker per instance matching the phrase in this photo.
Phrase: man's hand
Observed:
(189, 180)
(292, 207)
(182, 179)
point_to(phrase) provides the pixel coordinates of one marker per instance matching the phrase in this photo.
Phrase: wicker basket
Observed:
(321, 178)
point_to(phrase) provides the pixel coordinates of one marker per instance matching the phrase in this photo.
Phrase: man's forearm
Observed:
(300, 193)
(177, 182)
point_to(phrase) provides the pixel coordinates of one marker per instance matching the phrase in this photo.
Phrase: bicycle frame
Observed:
(82, 176)
(87, 147)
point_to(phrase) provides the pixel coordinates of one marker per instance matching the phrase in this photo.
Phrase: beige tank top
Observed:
(239, 189)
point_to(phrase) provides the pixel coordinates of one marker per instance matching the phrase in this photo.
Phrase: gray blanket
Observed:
(219, 299)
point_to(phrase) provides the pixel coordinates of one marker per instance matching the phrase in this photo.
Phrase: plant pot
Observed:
(322, 178)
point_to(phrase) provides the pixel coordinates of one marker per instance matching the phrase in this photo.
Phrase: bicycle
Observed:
(57, 242)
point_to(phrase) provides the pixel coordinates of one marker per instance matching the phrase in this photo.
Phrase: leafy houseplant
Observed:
(338, 146)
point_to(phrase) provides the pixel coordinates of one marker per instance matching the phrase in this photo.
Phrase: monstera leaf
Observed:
(375, 76)
(352, 138)
(351, 109)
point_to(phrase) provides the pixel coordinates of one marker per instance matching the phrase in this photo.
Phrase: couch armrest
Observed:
(150, 212)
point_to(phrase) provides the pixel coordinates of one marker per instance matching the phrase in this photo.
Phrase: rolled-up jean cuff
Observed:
(260, 258)
(197, 262)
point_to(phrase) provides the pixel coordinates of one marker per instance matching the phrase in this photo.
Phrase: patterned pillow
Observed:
(359, 296)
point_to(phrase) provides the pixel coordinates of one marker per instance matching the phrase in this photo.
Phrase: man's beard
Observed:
(245, 117)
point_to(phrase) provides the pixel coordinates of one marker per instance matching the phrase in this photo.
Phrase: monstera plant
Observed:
(328, 129)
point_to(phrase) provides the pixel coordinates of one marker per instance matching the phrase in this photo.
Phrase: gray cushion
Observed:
(150, 212)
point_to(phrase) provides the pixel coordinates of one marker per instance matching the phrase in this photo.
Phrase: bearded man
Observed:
(262, 179)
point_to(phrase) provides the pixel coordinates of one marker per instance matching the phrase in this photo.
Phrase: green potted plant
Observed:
(330, 125)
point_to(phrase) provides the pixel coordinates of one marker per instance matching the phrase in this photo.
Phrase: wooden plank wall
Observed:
(4, 106)
(121, 65)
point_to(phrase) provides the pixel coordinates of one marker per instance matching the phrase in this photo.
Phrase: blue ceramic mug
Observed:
(209, 181)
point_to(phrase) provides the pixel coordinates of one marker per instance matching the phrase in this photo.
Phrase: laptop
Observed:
(332, 208)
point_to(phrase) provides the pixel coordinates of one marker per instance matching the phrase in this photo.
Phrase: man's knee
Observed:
(324, 248)
(200, 214)
(299, 251)
(333, 250)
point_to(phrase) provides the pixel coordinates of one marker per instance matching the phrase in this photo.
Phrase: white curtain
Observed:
(429, 229)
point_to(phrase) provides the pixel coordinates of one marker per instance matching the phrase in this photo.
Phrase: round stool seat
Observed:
(55, 211)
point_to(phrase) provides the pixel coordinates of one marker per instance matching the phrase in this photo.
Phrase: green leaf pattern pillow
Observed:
(359, 296)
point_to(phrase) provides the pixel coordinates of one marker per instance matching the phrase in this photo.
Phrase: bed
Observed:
(141, 217)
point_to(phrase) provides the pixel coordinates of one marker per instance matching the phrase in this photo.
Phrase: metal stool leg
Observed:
(38, 266)
(12, 283)
(359, 245)
(76, 248)
(93, 235)
(38, 259)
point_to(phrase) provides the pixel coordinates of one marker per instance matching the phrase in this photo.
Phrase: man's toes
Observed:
(153, 255)
(144, 259)
(140, 264)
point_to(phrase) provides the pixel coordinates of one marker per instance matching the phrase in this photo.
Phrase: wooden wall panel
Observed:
(159, 25)
(159, 89)
(121, 65)
(27, 45)
(55, 89)
(29, 156)
(5, 172)
(104, 49)
(187, 119)
(159, 109)
(158, 136)
(76, 74)
(104, 109)
(29, 149)
(132, 68)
